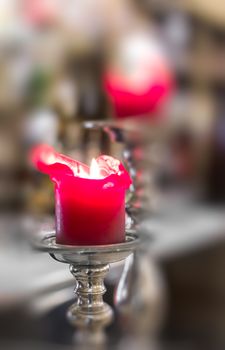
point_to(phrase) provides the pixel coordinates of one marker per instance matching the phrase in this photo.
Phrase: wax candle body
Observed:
(138, 78)
(89, 214)
(89, 202)
(127, 102)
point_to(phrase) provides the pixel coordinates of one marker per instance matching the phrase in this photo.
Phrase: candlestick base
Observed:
(89, 265)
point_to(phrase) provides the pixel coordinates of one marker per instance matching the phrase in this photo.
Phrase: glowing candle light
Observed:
(89, 202)
(94, 170)
(139, 81)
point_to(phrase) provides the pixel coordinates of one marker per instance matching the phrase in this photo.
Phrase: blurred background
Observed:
(144, 81)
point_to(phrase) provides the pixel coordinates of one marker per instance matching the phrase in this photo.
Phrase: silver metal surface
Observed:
(90, 314)
(89, 265)
(88, 255)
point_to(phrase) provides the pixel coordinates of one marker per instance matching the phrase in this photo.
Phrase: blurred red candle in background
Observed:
(139, 80)
(89, 202)
(128, 101)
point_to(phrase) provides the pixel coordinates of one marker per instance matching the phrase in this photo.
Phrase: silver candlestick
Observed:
(89, 265)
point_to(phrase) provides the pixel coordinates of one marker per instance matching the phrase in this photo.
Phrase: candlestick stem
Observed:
(89, 265)
(90, 312)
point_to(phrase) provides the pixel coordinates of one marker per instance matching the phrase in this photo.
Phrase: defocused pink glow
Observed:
(128, 102)
(142, 85)
(39, 12)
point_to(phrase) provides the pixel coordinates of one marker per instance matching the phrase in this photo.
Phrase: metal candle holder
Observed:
(89, 265)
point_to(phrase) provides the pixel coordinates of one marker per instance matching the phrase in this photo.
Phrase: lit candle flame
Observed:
(95, 170)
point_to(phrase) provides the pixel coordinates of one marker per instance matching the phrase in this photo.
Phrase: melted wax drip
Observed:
(57, 166)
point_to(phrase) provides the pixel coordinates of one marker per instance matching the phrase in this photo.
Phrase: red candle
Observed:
(138, 80)
(89, 202)
(128, 102)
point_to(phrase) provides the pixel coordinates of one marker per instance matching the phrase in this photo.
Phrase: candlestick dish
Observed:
(89, 265)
